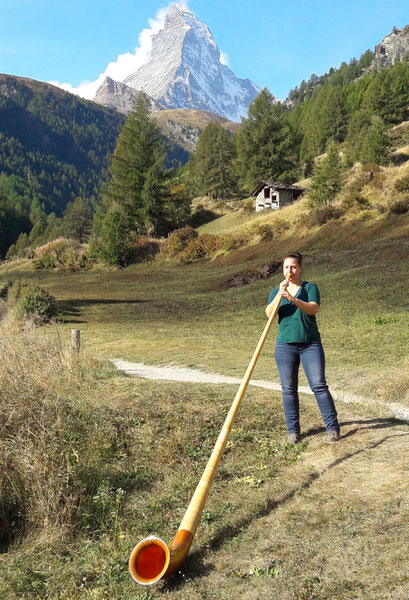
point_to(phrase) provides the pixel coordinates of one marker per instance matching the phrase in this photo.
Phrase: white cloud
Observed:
(125, 64)
(224, 58)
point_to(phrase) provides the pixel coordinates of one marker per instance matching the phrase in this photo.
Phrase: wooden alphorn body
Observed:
(152, 560)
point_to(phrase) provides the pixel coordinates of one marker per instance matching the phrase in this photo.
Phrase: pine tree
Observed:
(114, 238)
(358, 126)
(139, 152)
(264, 142)
(211, 165)
(376, 146)
(76, 222)
(136, 196)
(327, 177)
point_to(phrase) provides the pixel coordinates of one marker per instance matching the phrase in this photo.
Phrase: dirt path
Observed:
(184, 374)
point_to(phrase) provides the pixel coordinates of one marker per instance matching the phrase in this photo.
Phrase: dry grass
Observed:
(93, 462)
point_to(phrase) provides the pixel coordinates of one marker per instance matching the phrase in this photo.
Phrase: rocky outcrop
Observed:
(121, 97)
(184, 135)
(393, 47)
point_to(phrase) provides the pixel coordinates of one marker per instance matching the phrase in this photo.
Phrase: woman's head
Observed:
(296, 256)
(292, 266)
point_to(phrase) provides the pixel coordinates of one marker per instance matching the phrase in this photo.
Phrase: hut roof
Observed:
(276, 185)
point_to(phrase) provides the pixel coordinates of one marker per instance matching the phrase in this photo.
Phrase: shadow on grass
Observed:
(194, 565)
(72, 308)
(73, 304)
(366, 424)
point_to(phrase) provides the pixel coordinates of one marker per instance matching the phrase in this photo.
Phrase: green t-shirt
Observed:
(294, 325)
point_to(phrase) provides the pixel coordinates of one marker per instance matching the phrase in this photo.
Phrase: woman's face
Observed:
(292, 269)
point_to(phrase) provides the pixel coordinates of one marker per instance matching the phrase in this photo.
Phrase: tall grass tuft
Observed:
(63, 461)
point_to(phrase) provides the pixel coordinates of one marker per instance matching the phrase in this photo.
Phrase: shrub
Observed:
(265, 231)
(402, 184)
(353, 199)
(194, 251)
(32, 301)
(202, 247)
(61, 254)
(323, 214)
(178, 241)
(4, 289)
(248, 206)
(399, 207)
(280, 225)
(143, 249)
(228, 243)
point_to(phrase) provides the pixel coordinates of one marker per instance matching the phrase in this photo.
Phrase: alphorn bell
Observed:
(152, 560)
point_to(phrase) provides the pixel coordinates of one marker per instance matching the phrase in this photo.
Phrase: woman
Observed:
(299, 341)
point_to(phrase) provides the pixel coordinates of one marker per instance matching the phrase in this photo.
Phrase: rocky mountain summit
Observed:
(184, 70)
(121, 97)
(393, 47)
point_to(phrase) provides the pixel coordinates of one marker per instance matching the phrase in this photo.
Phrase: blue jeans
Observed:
(311, 356)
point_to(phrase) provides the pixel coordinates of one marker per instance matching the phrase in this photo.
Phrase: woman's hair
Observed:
(296, 256)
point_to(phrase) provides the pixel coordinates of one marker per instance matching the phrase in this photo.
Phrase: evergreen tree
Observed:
(180, 205)
(211, 165)
(114, 239)
(376, 146)
(77, 221)
(139, 153)
(153, 196)
(327, 177)
(265, 143)
(358, 126)
(135, 198)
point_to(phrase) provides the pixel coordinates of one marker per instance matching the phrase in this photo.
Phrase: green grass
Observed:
(161, 314)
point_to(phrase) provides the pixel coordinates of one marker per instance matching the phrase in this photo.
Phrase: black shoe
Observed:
(332, 436)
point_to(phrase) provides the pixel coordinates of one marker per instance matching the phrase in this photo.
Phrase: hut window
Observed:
(266, 192)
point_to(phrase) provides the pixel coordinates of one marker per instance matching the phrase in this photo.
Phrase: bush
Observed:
(38, 304)
(248, 206)
(178, 241)
(322, 215)
(265, 231)
(402, 184)
(4, 290)
(202, 247)
(202, 216)
(143, 249)
(399, 207)
(228, 243)
(280, 225)
(61, 254)
(353, 199)
(32, 301)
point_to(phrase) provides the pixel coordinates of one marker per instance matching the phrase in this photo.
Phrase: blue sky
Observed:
(274, 43)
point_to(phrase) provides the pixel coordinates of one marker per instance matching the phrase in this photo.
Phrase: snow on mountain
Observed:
(185, 69)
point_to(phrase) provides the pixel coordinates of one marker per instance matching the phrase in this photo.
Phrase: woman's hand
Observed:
(283, 291)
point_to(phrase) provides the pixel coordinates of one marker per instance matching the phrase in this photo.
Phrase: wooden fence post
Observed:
(75, 340)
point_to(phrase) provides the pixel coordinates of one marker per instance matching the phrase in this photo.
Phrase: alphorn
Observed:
(152, 559)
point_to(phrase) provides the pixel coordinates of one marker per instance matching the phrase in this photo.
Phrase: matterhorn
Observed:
(184, 70)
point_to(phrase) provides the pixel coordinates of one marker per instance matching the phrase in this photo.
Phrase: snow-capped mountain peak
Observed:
(184, 69)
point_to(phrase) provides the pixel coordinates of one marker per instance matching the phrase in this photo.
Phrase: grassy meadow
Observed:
(93, 461)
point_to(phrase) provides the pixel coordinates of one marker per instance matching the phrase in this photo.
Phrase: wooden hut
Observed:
(273, 195)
